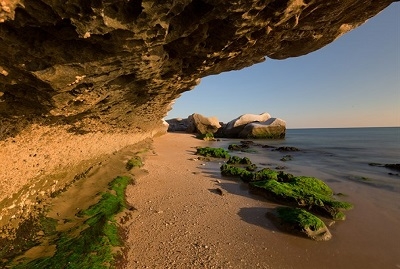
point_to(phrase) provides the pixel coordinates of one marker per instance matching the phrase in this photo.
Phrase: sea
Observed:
(353, 154)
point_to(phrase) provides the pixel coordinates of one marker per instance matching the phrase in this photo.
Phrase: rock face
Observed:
(101, 64)
(80, 69)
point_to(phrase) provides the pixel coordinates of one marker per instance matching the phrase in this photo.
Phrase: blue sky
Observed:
(352, 82)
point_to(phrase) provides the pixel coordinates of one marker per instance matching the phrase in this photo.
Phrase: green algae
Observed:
(134, 162)
(238, 160)
(234, 171)
(206, 136)
(91, 245)
(307, 192)
(303, 192)
(300, 218)
(246, 174)
(238, 147)
(213, 152)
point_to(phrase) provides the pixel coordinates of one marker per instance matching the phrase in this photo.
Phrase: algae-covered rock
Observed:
(241, 147)
(234, 171)
(299, 221)
(213, 152)
(206, 137)
(306, 192)
(238, 160)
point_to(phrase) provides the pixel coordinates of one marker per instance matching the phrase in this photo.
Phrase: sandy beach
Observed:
(183, 214)
(182, 222)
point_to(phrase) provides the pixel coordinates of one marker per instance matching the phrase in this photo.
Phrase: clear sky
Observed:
(352, 82)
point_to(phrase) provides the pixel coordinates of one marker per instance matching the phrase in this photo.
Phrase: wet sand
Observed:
(182, 222)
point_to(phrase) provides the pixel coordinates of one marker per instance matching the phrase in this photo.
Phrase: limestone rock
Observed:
(235, 126)
(271, 128)
(117, 65)
(202, 125)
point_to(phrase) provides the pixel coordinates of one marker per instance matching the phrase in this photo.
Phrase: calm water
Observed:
(337, 154)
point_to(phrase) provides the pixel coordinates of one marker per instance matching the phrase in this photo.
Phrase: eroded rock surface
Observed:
(101, 64)
(271, 128)
(203, 125)
(79, 69)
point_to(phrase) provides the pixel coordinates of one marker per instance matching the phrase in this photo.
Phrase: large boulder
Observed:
(271, 128)
(235, 126)
(198, 123)
(177, 125)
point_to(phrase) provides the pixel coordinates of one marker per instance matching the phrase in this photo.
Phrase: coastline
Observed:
(182, 222)
(178, 219)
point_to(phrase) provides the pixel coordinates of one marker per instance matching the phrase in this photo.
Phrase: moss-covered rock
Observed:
(251, 167)
(238, 160)
(206, 136)
(306, 192)
(213, 152)
(241, 147)
(303, 191)
(234, 171)
(299, 221)
(265, 174)
(234, 160)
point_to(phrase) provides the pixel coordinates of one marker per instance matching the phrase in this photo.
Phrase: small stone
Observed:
(220, 191)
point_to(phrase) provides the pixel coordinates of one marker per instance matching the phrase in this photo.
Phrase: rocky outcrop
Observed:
(245, 126)
(271, 128)
(235, 126)
(117, 65)
(102, 74)
(195, 123)
(254, 126)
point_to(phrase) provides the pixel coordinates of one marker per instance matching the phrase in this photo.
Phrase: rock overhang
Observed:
(99, 64)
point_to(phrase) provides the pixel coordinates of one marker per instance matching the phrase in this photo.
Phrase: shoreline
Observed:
(182, 222)
(178, 218)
